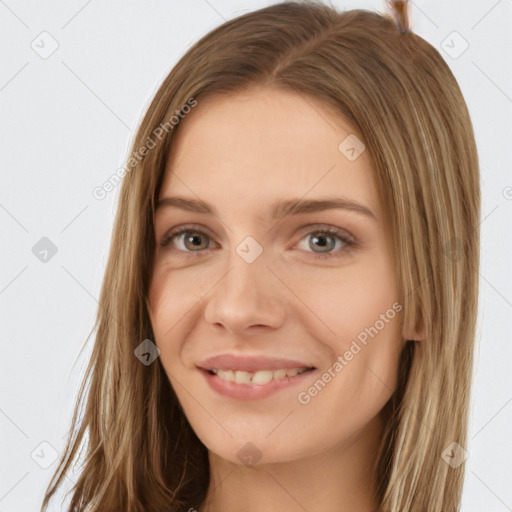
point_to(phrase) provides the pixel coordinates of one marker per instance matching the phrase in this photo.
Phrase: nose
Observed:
(247, 297)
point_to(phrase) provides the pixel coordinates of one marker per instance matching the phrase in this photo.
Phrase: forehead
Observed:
(246, 149)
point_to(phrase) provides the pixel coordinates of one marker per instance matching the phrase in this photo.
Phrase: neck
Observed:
(341, 478)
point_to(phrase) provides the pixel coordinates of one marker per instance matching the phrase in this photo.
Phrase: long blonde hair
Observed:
(140, 452)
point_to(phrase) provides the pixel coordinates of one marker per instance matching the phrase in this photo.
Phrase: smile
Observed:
(259, 377)
(244, 385)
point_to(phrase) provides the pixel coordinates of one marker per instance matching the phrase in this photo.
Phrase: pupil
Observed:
(320, 240)
(195, 240)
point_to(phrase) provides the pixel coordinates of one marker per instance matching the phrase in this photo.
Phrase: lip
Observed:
(250, 363)
(253, 391)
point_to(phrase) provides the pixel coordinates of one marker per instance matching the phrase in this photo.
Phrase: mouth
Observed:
(245, 385)
(251, 376)
(260, 377)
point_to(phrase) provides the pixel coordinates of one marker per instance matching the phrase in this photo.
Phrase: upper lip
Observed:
(250, 363)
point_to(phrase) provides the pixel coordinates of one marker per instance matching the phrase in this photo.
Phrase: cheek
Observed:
(176, 298)
(349, 299)
(172, 296)
(168, 309)
(362, 375)
(360, 322)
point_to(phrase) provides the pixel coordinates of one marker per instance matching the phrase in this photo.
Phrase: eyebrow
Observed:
(278, 209)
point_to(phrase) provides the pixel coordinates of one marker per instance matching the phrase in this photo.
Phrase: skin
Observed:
(240, 153)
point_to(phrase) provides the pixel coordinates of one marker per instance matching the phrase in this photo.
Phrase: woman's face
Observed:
(264, 284)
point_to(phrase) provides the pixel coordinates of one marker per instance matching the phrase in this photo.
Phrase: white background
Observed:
(65, 125)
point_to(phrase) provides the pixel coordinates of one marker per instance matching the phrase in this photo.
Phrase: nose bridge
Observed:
(248, 292)
(248, 268)
(250, 250)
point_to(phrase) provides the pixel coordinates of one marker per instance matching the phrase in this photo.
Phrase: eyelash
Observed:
(348, 242)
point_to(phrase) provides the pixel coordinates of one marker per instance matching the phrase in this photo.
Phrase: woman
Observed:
(288, 312)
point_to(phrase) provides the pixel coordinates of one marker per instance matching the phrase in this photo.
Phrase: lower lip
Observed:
(252, 391)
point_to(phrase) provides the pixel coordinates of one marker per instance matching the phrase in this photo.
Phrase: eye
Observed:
(325, 239)
(192, 242)
(188, 240)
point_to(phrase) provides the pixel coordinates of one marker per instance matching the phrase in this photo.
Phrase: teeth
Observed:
(242, 377)
(226, 375)
(260, 377)
(279, 374)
